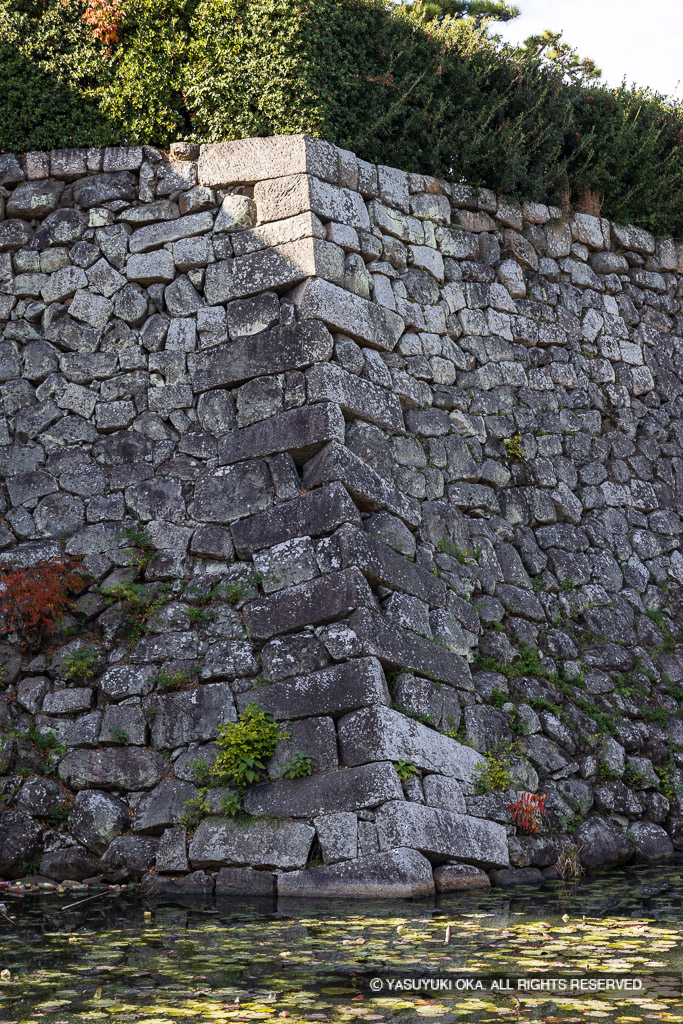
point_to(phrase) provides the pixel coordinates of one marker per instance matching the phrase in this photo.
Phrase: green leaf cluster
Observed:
(442, 97)
(245, 746)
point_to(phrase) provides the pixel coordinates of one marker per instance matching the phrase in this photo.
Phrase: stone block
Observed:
(275, 351)
(246, 161)
(439, 833)
(176, 719)
(245, 882)
(382, 565)
(163, 806)
(231, 492)
(108, 768)
(366, 786)
(394, 874)
(379, 733)
(460, 877)
(151, 268)
(315, 737)
(127, 858)
(370, 490)
(154, 236)
(442, 791)
(122, 681)
(172, 852)
(222, 842)
(310, 515)
(97, 818)
(355, 396)
(293, 194)
(401, 649)
(343, 311)
(278, 232)
(302, 432)
(330, 691)
(68, 702)
(325, 599)
(279, 267)
(337, 835)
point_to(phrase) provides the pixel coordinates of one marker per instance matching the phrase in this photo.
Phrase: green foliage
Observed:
(59, 814)
(245, 745)
(139, 602)
(201, 769)
(562, 57)
(406, 770)
(120, 735)
(80, 664)
(299, 766)
(164, 680)
(195, 809)
(528, 663)
(455, 551)
(443, 97)
(494, 773)
(514, 447)
(231, 803)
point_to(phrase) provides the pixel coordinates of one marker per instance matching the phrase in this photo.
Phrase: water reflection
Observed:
(175, 960)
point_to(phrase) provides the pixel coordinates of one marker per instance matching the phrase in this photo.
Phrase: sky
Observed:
(640, 40)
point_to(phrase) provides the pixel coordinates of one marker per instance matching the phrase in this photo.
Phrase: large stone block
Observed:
(297, 193)
(163, 807)
(154, 236)
(439, 833)
(379, 734)
(176, 719)
(124, 768)
(356, 788)
(277, 268)
(246, 161)
(395, 874)
(331, 691)
(381, 564)
(261, 844)
(275, 351)
(325, 599)
(310, 515)
(370, 490)
(401, 649)
(355, 396)
(315, 737)
(318, 299)
(232, 491)
(302, 432)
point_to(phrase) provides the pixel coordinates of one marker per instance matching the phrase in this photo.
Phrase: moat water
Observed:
(120, 959)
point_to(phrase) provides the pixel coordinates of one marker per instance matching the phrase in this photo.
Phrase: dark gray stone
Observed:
(113, 768)
(325, 599)
(332, 691)
(97, 818)
(19, 843)
(353, 789)
(127, 858)
(603, 844)
(222, 842)
(302, 432)
(394, 874)
(244, 882)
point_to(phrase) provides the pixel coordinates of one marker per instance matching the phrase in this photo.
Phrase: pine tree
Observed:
(549, 46)
(479, 10)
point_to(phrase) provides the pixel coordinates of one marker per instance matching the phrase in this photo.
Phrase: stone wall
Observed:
(394, 459)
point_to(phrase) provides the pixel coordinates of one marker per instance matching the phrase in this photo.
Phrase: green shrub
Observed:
(80, 664)
(406, 770)
(245, 745)
(440, 98)
(299, 766)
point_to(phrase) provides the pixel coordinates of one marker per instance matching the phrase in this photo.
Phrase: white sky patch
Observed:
(642, 42)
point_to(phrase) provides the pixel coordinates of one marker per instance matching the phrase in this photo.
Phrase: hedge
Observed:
(441, 99)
